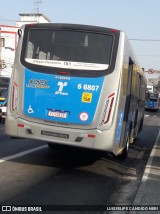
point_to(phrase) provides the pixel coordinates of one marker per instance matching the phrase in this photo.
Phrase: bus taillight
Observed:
(14, 104)
(109, 112)
(20, 125)
(110, 101)
(91, 136)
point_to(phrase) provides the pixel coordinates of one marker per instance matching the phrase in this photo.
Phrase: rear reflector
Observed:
(20, 125)
(91, 135)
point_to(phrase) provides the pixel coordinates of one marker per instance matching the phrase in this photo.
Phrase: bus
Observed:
(4, 85)
(152, 101)
(76, 85)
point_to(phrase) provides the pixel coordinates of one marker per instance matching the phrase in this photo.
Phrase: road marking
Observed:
(2, 160)
(147, 115)
(149, 164)
(141, 190)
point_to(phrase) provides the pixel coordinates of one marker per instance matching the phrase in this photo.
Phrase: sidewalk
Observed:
(149, 189)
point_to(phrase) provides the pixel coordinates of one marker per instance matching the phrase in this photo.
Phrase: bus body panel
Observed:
(93, 139)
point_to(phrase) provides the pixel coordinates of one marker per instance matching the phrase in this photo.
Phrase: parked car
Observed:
(3, 110)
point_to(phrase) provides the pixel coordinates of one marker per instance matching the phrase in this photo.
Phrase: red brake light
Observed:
(113, 30)
(20, 125)
(91, 136)
(63, 73)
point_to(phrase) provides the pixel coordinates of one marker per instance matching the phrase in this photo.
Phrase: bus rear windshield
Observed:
(153, 96)
(69, 49)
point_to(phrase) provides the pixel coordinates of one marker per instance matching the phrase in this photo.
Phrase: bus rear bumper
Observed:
(151, 108)
(92, 139)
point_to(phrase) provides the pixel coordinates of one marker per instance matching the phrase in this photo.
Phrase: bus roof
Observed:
(74, 27)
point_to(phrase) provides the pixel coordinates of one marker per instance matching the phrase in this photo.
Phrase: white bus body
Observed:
(76, 85)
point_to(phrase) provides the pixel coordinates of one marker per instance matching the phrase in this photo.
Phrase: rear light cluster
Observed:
(111, 99)
(91, 136)
(108, 109)
(20, 125)
(14, 103)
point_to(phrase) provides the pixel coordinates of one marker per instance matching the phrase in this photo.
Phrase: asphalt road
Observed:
(32, 174)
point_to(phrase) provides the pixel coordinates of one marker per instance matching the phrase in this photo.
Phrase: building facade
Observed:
(8, 43)
(27, 18)
(9, 40)
(153, 76)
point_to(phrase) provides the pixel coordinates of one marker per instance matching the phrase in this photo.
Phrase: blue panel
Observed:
(151, 104)
(119, 127)
(61, 98)
(2, 102)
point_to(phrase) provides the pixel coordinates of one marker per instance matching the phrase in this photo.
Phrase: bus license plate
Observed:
(57, 114)
(55, 134)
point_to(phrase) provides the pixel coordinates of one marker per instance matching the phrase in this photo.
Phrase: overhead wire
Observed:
(146, 40)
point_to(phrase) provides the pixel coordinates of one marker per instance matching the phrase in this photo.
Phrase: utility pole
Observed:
(37, 9)
(37, 5)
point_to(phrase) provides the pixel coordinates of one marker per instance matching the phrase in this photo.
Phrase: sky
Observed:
(140, 19)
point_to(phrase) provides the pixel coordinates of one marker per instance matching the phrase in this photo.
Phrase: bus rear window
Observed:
(69, 49)
(153, 96)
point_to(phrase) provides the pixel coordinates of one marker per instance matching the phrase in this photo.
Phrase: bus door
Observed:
(127, 108)
(138, 104)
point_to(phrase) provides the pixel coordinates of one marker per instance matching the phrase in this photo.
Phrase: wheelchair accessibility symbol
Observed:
(30, 110)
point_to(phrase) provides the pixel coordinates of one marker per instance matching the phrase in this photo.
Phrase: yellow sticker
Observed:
(86, 97)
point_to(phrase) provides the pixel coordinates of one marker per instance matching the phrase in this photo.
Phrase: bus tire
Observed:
(124, 154)
(141, 126)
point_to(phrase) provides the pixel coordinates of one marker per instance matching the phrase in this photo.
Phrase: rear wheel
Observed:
(124, 153)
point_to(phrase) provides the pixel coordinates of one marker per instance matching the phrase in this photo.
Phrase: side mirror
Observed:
(19, 32)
